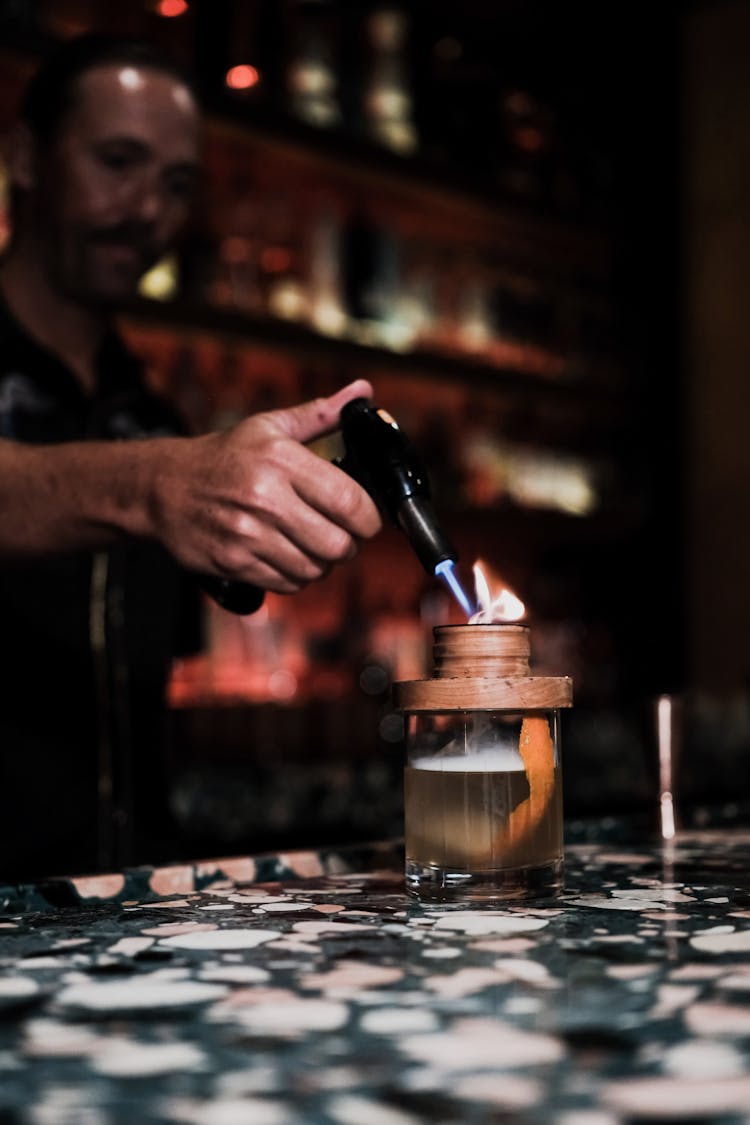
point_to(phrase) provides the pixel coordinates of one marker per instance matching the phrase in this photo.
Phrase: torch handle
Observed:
(237, 597)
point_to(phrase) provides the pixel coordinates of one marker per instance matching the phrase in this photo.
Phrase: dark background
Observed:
(597, 152)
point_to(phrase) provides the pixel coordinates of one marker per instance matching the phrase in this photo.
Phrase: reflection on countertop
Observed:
(305, 987)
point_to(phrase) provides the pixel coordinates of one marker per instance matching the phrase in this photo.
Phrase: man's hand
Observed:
(254, 505)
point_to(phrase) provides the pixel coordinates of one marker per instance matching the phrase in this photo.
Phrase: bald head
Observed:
(52, 91)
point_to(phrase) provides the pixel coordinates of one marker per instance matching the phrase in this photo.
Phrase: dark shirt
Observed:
(87, 640)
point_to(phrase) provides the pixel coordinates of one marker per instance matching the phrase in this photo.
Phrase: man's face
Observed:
(114, 189)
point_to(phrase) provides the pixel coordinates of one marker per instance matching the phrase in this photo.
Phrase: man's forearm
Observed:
(251, 504)
(74, 496)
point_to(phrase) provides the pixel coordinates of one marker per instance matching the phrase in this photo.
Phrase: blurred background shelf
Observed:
(523, 369)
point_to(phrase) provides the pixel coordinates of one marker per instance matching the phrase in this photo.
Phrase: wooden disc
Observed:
(504, 693)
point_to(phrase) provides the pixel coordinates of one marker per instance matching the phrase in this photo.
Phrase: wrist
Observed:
(145, 505)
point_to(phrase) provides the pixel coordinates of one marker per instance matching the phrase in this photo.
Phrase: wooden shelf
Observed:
(303, 342)
(565, 243)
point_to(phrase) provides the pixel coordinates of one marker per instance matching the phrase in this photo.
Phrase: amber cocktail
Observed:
(483, 793)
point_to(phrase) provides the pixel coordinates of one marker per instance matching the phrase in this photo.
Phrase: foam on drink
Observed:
(490, 759)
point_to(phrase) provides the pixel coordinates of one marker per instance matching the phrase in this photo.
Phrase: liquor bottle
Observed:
(312, 87)
(371, 268)
(326, 302)
(388, 105)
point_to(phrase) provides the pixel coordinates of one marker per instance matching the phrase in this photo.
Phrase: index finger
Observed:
(338, 497)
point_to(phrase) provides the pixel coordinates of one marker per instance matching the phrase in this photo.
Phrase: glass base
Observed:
(505, 884)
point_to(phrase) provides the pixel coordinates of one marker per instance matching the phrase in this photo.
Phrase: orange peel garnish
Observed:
(538, 755)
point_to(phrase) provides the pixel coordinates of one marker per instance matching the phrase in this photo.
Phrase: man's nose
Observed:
(147, 200)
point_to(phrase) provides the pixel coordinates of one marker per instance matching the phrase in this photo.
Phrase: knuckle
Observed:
(230, 559)
(259, 495)
(339, 544)
(238, 525)
(349, 500)
(217, 558)
(277, 450)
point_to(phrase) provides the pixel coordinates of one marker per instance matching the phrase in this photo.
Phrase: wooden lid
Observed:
(483, 667)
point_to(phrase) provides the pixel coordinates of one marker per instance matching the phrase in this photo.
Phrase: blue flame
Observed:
(446, 571)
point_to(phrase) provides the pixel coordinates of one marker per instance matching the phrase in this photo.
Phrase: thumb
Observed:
(320, 416)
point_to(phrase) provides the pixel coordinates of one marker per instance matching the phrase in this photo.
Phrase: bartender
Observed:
(108, 511)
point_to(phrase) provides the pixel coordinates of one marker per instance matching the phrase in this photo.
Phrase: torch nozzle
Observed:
(416, 518)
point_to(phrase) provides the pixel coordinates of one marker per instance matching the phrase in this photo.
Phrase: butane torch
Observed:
(380, 457)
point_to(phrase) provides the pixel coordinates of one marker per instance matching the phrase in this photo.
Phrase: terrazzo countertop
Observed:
(305, 988)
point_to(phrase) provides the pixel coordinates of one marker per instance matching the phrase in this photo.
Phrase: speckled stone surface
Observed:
(295, 989)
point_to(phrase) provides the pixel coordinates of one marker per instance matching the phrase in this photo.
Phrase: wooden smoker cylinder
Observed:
(483, 668)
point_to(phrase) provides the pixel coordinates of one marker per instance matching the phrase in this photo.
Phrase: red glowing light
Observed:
(171, 8)
(275, 259)
(529, 138)
(242, 77)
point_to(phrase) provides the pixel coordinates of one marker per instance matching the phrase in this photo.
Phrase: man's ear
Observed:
(21, 156)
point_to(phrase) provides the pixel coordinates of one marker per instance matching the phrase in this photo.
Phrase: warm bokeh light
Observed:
(282, 684)
(171, 8)
(276, 259)
(242, 77)
(497, 604)
(161, 282)
(4, 206)
(664, 718)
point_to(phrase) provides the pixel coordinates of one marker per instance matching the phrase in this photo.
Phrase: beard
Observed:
(102, 266)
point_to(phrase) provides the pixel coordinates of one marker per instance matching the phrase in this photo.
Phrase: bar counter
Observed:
(306, 988)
